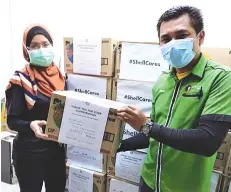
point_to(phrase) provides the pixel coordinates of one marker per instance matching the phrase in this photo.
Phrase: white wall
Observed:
(123, 20)
(5, 46)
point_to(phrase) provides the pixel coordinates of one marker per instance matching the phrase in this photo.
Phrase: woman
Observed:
(36, 159)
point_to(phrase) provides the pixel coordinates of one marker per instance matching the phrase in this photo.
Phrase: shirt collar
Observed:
(198, 69)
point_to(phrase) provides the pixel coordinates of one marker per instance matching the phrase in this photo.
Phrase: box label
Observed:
(83, 124)
(145, 60)
(129, 164)
(89, 85)
(80, 179)
(135, 93)
(87, 56)
(121, 186)
(84, 158)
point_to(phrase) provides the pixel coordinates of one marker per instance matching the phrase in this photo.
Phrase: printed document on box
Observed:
(83, 124)
(84, 158)
(89, 85)
(144, 60)
(87, 56)
(137, 93)
(80, 180)
(129, 164)
(121, 186)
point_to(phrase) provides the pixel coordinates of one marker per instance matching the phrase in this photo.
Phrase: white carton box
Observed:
(145, 60)
(86, 159)
(137, 93)
(119, 185)
(127, 165)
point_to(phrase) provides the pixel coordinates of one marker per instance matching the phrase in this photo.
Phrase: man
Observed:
(191, 110)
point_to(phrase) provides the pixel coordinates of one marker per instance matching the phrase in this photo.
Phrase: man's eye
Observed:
(165, 41)
(182, 36)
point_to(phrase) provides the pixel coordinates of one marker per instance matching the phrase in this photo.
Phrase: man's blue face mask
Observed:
(179, 53)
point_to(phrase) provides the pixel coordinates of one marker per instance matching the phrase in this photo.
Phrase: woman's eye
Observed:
(46, 45)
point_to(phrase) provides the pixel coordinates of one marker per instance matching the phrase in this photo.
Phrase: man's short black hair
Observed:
(194, 14)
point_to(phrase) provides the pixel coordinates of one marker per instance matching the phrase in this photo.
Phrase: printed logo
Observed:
(86, 91)
(137, 98)
(130, 133)
(143, 62)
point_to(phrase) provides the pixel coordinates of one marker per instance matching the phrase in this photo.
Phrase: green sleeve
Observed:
(218, 104)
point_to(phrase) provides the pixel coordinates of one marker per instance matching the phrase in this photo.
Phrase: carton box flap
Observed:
(92, 99)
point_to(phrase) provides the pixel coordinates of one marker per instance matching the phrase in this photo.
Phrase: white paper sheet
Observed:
(120, 186)
(83, 124)
(214, 182)
(129, 165)
(80, 180)
(84, 158)
(135, 93)
(130, 132)
(144, 60)
(95, 86)
(87, 56)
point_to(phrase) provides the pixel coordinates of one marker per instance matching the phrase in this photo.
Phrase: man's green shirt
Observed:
(178, 104)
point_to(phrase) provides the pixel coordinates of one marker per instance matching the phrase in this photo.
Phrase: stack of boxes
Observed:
(86, 168)
(138, 65)
(7, 169)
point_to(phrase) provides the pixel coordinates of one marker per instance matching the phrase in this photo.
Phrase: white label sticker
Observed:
(80, 180)
(83, 124)
(130, 132)
(84, 158)
(95, 86)
(145, 60)
(135, 93)
(121, 186)
(87, 56)
(129, 164)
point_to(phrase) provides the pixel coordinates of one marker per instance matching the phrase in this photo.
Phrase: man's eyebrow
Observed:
(182, 31)
(177, 33)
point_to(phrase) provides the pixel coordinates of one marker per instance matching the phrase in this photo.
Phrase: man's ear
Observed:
(201, 37)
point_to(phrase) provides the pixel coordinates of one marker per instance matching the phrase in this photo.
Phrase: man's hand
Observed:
(36, 126)
(133, 116)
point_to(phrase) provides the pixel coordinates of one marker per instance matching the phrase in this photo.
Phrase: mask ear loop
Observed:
(195, 39)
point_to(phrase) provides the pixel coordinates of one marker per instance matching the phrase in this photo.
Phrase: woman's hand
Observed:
(133, 116)
(36, 126)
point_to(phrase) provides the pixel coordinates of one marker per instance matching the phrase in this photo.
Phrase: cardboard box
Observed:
(137, 93)
(223, 154)
(224, 185)
(215, 181)
(82, 178)
(3, 115)
(107, 56)
(126, 165)
(140, 57)
(115, 184)
(220, 55)
(96, 86)
(7, 169)
(84, 121)
(86, 159)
